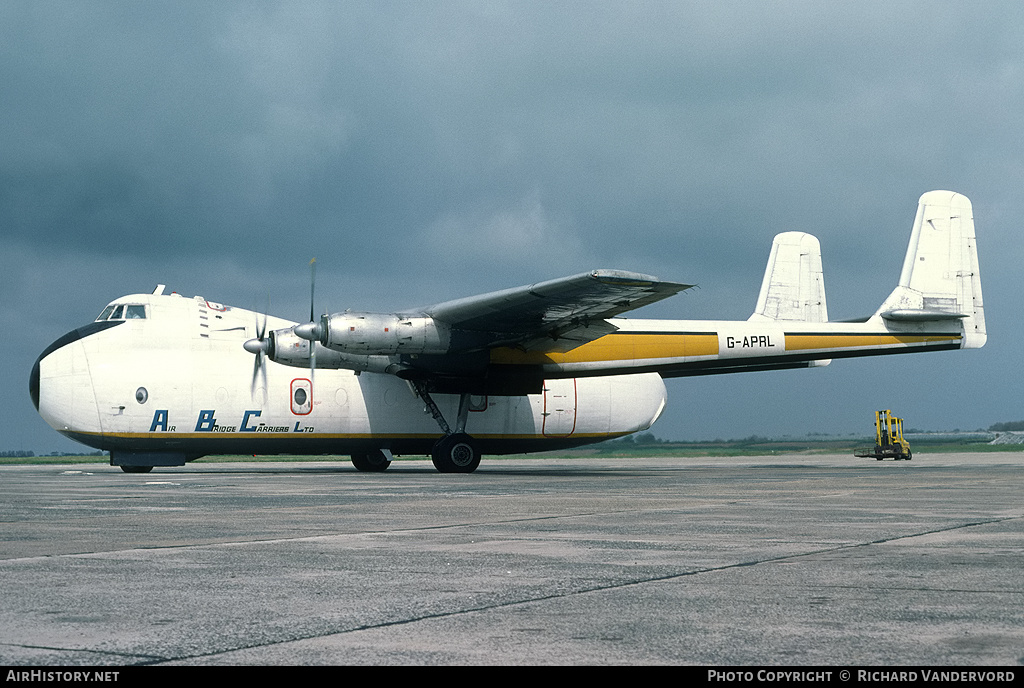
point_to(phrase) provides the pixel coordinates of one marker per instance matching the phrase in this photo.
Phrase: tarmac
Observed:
(789, 560)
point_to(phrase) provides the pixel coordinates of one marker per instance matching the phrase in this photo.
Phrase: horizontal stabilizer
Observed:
(920, 315)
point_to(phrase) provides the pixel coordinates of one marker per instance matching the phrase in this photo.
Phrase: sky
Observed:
(425, 151)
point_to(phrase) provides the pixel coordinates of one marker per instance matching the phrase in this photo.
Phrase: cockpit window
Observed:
(120, 311)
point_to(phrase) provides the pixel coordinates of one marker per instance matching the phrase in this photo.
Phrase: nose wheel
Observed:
(372, 462)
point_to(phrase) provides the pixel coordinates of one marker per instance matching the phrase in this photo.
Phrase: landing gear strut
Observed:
(456, 452)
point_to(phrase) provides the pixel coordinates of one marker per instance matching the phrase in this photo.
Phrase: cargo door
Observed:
(559, 408)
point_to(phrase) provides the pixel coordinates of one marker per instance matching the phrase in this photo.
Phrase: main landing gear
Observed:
(456, 452)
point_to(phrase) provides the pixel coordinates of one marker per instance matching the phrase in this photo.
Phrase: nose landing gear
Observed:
(372, 462)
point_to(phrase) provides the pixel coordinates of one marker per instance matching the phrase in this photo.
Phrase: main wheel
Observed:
(372, 462)
(455, 454)
(136, 469)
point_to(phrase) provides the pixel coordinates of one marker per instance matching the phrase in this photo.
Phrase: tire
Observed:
(371, 462)
(456, 453)
(136, 469)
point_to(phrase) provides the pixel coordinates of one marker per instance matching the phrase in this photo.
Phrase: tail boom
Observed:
(936, 306)
(677, 348)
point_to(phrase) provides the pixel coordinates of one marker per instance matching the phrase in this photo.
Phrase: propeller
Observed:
(260, 347)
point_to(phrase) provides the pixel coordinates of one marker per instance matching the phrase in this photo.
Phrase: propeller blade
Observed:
(312, 321)
(261, 327)
(312, 367)
(256, 366)
(312, 287)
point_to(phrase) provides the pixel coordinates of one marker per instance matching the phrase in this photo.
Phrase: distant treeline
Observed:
(642, 438)
(1007, 427)
(647, 439)
(21, 454)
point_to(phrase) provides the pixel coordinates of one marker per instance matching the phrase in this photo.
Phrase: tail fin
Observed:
(794, 286)
(941, 280)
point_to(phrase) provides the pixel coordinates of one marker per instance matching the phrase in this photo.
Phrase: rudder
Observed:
(941, 280)
(793, 288)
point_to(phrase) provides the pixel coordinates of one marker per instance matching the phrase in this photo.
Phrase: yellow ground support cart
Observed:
(889, 442)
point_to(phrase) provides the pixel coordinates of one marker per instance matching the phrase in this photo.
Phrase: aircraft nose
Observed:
(33, 384)
(60, 382)
(53, 381)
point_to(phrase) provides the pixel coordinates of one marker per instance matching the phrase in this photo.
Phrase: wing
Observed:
(557, 315)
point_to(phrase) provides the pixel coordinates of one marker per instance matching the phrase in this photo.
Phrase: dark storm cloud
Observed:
(425, 151)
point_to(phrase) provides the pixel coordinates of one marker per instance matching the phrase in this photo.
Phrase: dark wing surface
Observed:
(557, 315)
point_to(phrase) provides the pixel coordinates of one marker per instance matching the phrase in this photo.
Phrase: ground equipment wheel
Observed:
(136, 469)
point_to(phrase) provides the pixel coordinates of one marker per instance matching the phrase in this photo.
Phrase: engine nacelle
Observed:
(287, 348)
(383, 334)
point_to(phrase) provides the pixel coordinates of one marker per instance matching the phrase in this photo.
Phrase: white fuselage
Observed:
(178, 380)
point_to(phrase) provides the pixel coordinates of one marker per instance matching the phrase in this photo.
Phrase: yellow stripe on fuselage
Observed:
(839, 342)
(299, 437)
(618, 347)
(624, 346)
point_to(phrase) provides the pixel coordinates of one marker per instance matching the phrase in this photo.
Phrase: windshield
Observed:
(120, 311)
